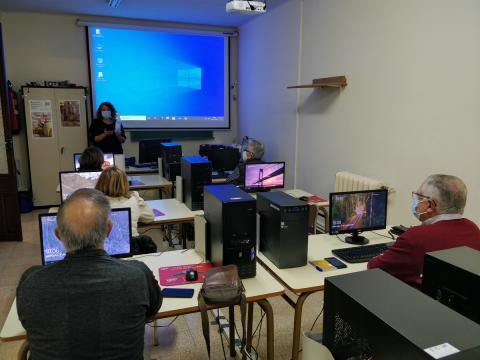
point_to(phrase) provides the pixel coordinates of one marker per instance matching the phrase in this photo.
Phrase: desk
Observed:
(175, 212)
(132, 170)
(151, 181)
(257, 289)
(306, 280)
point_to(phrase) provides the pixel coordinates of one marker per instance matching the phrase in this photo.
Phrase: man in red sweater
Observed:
(438, 204)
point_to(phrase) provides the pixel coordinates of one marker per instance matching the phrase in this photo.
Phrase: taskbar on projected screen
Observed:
(142, 121)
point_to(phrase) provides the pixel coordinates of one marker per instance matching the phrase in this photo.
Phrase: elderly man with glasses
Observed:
(438, 204)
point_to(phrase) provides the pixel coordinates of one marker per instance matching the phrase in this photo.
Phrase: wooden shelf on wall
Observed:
(334, 81)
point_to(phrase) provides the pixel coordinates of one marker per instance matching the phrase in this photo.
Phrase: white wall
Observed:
(268, 47)
(411, 107)
(42, 47)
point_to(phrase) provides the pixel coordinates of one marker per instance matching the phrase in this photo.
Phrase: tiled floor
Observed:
(181, 340)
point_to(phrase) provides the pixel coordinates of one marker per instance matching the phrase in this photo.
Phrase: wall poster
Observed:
(41, 118)
(69, 113)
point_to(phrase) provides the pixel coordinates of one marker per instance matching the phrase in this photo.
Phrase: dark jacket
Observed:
(87, 306)
(110, 144)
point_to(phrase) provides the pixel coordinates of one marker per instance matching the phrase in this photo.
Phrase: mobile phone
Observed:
(177, 292)
(335, 262)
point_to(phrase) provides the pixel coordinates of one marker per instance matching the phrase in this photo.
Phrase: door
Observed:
(10, 224)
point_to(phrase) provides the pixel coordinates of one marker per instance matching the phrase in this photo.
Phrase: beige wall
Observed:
(268, 58)
(42, 47)
(412, 104)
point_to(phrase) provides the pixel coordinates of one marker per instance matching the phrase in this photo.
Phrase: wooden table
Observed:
(175, 212)
(151, 181)
(306, 280)
(257, 290)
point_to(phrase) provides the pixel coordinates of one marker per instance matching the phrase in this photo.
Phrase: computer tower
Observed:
(373, 315)
(231, 227)
(452, 276)
(196, 173)
(283, 229)
(171, 156)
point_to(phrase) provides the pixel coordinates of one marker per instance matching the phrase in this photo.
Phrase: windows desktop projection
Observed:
(160, 79)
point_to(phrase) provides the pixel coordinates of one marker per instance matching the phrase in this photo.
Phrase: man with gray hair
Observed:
(252, 152)
(438, 204)
(88, 305)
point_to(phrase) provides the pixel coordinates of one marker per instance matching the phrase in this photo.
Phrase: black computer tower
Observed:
(283, 229)
(231, 222)
(452, 276)
(371, 314)
(196, 173)
(171, 156)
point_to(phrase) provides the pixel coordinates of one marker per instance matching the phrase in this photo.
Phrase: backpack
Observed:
(222, 286)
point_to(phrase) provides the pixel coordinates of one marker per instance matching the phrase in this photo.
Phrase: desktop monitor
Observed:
(117, 244)
(149, 150)
(70, 181)
(224, 158)
(264, 176)
(108, 160)
(356, 211)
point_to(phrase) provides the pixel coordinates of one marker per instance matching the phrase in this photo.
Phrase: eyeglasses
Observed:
(422, 197)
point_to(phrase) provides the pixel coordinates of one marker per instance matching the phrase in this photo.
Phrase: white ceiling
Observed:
(211, 12)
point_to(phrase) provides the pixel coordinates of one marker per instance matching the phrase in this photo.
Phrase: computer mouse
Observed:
(191, 275)
(303, 198)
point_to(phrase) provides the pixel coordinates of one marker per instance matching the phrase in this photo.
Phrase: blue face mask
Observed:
(106, 114)
(415, 203)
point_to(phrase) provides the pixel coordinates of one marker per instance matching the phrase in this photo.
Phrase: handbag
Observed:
(222, 286)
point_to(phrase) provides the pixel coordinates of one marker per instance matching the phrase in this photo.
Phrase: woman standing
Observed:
(106, 131)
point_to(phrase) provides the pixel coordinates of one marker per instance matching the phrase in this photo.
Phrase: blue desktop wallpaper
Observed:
(158, 73)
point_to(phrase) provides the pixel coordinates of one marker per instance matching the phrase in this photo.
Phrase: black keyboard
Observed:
(360, 254)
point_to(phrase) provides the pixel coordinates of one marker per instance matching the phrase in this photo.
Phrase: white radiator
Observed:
(346, 181)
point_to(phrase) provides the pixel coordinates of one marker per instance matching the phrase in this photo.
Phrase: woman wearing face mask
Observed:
(106, 131)
(252, 152)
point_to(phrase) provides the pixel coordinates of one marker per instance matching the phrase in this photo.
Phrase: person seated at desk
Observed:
(88, 305)
(91, 159)
(253, 152)
(106, 130)
(113, 182)
(438, 204)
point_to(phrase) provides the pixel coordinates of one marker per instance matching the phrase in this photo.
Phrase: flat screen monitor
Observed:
(264, 176)
(223, 159)
(108, 160)
(356, 211)
(117, 244)
(70, 181)
(149, 150)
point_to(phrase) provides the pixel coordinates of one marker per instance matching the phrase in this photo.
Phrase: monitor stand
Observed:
(356, 239)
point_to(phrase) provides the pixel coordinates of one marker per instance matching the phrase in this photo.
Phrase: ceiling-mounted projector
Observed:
(246, 7)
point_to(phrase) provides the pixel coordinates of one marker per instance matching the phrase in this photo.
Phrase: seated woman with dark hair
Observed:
(113, 182)
(252, 152)
(91, 159)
